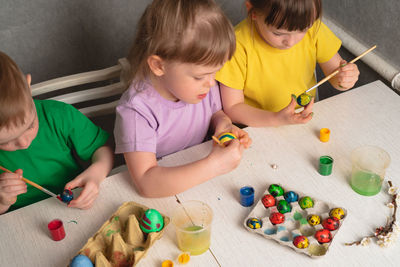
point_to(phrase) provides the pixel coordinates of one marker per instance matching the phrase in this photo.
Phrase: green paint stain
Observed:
(297, 216)
(303, 221)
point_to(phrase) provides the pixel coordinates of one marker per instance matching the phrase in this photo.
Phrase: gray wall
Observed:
(54, 38)
(371, 22)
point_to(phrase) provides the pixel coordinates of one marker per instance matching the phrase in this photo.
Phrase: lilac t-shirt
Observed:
(145, 121)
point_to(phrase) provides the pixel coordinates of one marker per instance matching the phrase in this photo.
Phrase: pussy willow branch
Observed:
(389, 225)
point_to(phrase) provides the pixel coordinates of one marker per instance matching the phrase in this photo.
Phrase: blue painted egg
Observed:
(291, 196)
(151, 221)
(254, 223)
(81, 261)
(67, 196)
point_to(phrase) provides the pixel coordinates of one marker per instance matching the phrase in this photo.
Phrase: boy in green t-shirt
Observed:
(38, 139)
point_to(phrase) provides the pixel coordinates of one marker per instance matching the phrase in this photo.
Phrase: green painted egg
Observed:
(306, 202)
(275, 190)
(151, 221)
(283, 206)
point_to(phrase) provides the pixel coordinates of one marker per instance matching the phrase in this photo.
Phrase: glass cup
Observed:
(192, 221)
(369, 164)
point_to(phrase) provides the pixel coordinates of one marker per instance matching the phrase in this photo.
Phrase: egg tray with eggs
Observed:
(296, 220)
(122, 240)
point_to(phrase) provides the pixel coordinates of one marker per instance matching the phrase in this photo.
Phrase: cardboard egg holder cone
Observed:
(120, 241)
(295, 224)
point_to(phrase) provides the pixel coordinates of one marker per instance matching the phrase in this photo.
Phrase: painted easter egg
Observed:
(81, 261)
(331, 223)
(323, 236)
(291, 196)
(283, 206)
(300, 241)
(337, 213)
(151, 221)
(275, 190)
(67, 196)
(254, 223)
(277, 218)
(226, 137)
(306, 202)
(304, 99)
(268, 201)
(313, 219)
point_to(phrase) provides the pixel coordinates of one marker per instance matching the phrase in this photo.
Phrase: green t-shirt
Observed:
(49, 161)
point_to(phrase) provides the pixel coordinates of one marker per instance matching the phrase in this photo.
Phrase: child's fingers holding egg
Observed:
(86, 198)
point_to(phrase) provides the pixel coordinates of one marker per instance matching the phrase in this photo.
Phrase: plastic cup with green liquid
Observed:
(369, 164)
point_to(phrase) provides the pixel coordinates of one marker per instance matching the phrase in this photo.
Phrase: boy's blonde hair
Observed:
(15, 95)
(187, 31)
(291, 15)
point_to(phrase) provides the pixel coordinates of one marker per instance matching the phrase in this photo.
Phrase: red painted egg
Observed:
(268, 201)
(331, 223)
(277, 218)
(300, 241)
(323, 236)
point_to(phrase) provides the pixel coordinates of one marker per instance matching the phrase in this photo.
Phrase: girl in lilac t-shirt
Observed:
(173, 100)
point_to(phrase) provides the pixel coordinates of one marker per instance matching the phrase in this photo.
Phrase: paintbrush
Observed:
(41, 188)
(337, 71)
(217, 141)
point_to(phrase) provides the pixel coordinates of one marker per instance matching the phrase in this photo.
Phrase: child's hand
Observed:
(242, 135)
(225, 159)
(11, 185)
(288, 115)
(347, 76)
(89, 193)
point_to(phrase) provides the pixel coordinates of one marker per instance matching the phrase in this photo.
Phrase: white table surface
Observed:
(368, 115)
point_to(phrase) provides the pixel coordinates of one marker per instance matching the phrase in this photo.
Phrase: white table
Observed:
(366, 115)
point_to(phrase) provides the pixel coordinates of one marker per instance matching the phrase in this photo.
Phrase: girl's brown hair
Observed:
(187, 31)
(15, 96)
(291, 15)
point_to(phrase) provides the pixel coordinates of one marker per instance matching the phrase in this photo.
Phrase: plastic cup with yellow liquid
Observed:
(192, 221)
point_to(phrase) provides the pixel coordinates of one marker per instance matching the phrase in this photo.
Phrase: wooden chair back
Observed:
(94, 93)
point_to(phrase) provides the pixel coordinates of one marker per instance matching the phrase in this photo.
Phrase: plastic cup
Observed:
(56, 229)
(192, 221)
(246, 196)
(369, 164)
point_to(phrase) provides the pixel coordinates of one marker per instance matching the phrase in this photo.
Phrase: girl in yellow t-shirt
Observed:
(277, 48)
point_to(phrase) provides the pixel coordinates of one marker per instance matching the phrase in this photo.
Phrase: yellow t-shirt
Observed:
(268, 76)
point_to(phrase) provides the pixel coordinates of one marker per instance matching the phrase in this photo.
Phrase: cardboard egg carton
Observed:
(295, 224)
(120, 241)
